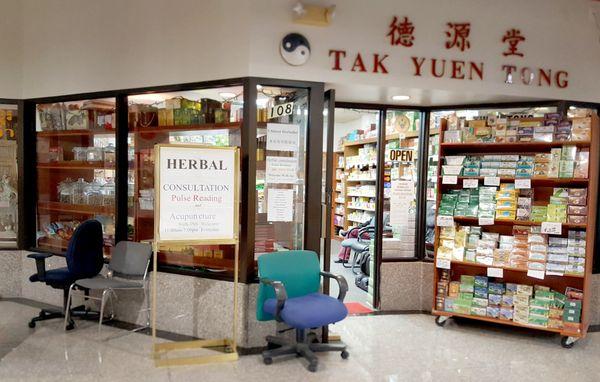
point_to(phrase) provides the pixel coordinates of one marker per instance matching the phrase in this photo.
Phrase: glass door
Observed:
(329, 177)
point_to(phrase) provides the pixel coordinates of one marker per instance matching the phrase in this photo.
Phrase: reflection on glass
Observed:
(400, 183)
(75, 170)
(282, 115)
(8, 176)
(206, 116)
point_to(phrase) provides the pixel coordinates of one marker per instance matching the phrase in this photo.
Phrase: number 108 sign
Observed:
(281, 110)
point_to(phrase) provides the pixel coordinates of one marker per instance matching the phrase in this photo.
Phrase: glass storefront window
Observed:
(8, 176)
(282, 119)
(75, 170)
(205, 116)
(400, 183)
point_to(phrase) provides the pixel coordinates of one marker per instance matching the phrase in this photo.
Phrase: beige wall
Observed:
(11, 58)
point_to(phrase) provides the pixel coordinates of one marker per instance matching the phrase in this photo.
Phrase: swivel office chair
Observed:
(289, 293)
(84, 259)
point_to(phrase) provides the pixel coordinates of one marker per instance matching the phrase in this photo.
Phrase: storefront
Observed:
(358, 155)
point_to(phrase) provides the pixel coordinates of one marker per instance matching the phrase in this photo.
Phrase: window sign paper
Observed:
(552, 228)
(449, 179)
(280, 205)
(536, 274)
(402, 195)
(196, 189)
(281, 170)
(495, 272)
(470, 183)
(442, 263)
(522, 183)
(282, 137)
(491, 181)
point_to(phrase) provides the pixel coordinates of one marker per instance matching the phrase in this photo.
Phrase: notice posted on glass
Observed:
(197, 193)
(280, 205)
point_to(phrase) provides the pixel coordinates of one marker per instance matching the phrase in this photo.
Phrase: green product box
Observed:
(559, 300)
(480, 302)
(539, 303)
(464, 296)
(568, 153)
(466, 279)
(571, 318)
(466, 288)
(538, 311)
(572, 312)
(544, 295)
(538, 321)
(574, 304)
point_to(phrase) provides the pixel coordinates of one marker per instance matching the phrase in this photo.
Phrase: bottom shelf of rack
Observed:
(505, 322)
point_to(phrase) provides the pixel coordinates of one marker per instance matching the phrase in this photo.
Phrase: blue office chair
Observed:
(84, 259)
(289, 293)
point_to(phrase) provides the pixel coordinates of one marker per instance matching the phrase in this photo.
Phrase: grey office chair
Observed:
(127, 270)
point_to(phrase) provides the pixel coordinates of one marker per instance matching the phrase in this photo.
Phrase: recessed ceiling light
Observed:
(572, 107)
(259, 87)
(227, 95)
(400, 97)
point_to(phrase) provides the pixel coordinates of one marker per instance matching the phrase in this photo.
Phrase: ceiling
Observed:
(418, 97)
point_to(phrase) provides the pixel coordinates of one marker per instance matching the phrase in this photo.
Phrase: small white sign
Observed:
(522, 183)
(281, 110)
(536, 274)
(280, 205)
(470, 183)
(445, 221)
(552, 228)
(449, 179)
(442, 263)
(281, 170)
(491, 181)
(282, 137)
(486, 221)
(495, 272)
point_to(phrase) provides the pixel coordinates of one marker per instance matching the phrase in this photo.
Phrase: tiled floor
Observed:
(383, 348)
(355, 294)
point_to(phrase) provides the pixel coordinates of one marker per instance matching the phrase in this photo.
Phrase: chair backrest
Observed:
(85, 251)
(297, 270)
(130, 259)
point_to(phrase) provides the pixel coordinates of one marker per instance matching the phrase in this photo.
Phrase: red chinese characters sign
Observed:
(401, 32)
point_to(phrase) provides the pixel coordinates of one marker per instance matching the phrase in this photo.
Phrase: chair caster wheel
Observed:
(564, 342)
(345, 354)
(441, 321)
(268, 360)
(70, 326)
(31, 324)
(312, 367)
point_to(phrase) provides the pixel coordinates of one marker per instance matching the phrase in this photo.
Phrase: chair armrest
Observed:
(40, 265)
(342, 283)
(280, 294)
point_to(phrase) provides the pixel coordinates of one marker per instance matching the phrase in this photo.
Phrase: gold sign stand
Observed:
(163, 351)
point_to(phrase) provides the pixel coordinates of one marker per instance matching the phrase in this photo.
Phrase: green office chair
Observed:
(289, 293)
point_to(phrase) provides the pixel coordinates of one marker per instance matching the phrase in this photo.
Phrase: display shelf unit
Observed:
(518, 275)
(338, 205)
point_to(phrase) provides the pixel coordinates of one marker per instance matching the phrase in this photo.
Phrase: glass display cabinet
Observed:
(8, 176)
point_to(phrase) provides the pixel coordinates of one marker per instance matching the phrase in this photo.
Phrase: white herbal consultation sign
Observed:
(283, 170)
(197, 193)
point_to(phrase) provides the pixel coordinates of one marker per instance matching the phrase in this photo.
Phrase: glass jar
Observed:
(94, 194)
(65, 191)
(110, 154)
(79, 187)
(80, 153)
(94, 154)
(108, 193)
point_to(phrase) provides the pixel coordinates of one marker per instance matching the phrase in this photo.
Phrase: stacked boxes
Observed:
(576, 252)
(506, 202)
(558, 256)
(577, 206)
(521, 296)
(538, 250)
(557, 208)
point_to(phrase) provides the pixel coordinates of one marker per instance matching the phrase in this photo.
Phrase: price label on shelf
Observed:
(495, 272)
(552, 228)
(522, 183)
(449, 179)
(536, 274)
(486, 221)
(491, 181)
(442, 263)
(470, 183)
(445, 221)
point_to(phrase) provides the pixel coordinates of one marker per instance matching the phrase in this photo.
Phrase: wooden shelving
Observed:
(82, 209)
(76, 165)
(510, 269)
(73, 133)
(543, 190)
(175, 128)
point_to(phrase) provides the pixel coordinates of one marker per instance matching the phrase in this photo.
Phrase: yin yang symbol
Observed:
(295, 49)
